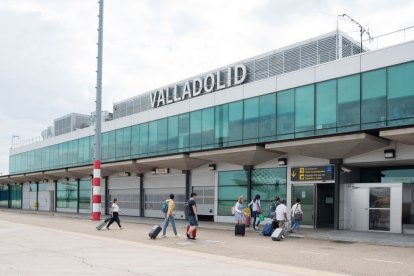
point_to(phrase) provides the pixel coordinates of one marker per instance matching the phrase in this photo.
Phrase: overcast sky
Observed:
(48, 47)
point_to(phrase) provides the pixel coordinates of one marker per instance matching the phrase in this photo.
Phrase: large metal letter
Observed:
(206, 81)
(219, 86)
(239, 79)
(197, 87)
(186, 90)
(161, 98)
(153, 96)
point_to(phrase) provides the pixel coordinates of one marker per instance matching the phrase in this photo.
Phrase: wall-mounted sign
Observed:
(162, 171)
(198, 86)
(318, 173)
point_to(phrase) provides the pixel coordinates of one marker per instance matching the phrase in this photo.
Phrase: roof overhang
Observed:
(402, 135)
(19, 178)
(130, 166)
(58, 174)
(244, 156)
(80, 172)
(177, 161)
(6, 179)
(334, 147)
(37, 176)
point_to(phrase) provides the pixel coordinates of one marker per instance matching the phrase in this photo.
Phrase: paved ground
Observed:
(216, 252)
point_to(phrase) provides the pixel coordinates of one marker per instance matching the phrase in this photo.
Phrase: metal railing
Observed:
(391, 38)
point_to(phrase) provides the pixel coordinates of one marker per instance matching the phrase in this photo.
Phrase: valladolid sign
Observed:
(199, 86)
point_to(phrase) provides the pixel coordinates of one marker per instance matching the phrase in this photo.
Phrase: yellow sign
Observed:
(301, 177)
(302, 170)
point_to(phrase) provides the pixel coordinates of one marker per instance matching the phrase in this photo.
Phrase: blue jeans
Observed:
(296, 224)
(171, 219)
(255, 216)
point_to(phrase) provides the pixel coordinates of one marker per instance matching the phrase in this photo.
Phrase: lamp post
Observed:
(96, 182)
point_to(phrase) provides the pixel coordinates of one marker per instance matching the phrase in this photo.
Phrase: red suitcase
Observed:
(194, 232)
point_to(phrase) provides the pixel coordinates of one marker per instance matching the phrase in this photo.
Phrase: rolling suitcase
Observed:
(267, 230)
(239, 230)
(153, 233)
(277, 234)
(194, 232)
(103, 223)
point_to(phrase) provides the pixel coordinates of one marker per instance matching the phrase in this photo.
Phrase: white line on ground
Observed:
(311, 252)
(384, 261)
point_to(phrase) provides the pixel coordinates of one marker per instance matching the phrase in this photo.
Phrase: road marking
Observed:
(384, 261)
(311, 252)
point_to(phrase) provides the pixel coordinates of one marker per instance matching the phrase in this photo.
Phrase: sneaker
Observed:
(188, 235)
(283, 237)
(192, 238)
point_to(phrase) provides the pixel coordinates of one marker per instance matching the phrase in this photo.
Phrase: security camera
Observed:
(346, 170)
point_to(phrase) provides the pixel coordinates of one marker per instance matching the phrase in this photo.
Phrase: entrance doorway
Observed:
(317, 203)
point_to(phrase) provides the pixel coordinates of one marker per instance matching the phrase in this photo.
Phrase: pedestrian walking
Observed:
(281, 216)
(272, 207)
(115, 215)
(297, 215)
(237, 210)
(257, 210)
(169, 217)
(192, 216)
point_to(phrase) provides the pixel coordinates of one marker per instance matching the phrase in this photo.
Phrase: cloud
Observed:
(48, 49)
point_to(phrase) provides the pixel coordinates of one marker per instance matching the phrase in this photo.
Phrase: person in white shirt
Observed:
(281, 216)
(257, 210)
(238, 211)
(115, 215)
(297, 214)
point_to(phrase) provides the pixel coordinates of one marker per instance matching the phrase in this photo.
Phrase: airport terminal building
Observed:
(322, 120)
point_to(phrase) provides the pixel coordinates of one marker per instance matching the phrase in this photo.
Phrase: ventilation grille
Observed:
(303, 56)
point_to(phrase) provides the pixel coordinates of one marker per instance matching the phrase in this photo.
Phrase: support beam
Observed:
(337, 170)
(141, 195)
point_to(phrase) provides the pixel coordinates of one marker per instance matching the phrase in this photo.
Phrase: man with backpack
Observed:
(168, 209)
(192, 217)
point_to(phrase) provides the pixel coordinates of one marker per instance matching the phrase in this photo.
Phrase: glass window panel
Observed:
(119, 143)
(135, 140)
(111, 144)
(267, 116)
(221, 125)
(374, 93)
(207, 131)
(195, 129)
(143, 139)
(85, 194)
(379, 219)
(235, 130)
(184, 131)
(251, 120)
(67, 194)
(326, 104)
(304, 108)
(172, 134)
(379, 197)
(126, 149)
(349, 101)
(152, 137)
(285, 112)
(400, 91)
(162, 135)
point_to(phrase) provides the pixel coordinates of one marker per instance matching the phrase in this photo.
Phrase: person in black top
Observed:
(192, 216)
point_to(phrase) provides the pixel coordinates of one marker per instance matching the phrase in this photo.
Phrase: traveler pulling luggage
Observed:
(103, 223)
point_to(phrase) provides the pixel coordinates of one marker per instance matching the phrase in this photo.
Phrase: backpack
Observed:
(164, 207)
(187, 209)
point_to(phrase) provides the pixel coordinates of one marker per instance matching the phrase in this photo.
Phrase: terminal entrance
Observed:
(317, 203)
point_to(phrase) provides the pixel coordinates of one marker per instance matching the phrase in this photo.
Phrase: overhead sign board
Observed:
(316, 173)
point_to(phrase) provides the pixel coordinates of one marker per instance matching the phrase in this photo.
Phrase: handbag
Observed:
(297, 216)
(233, 210)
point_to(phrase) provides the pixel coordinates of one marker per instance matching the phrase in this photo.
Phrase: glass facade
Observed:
(265, 182)
(379, 98)
(67, 195)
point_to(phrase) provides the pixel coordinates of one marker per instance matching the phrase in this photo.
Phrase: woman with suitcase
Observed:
(257, 210)
(237, 210)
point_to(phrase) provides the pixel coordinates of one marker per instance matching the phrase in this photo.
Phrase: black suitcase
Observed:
(154, 232)
(239, 230)
(103, 223)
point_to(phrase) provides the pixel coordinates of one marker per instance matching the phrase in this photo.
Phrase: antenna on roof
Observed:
(362, 30)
